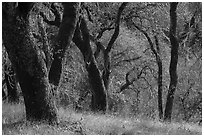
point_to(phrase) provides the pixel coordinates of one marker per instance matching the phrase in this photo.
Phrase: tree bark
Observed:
(82, 41)
(11, 85)
(173, 62)
(64, 38)
(159, 79)
(28, 62)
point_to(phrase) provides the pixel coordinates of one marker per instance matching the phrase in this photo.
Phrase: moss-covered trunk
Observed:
(28, 62)
(82, 41)
(64, 38)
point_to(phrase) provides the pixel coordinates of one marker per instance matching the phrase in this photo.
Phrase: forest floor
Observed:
(73, 123)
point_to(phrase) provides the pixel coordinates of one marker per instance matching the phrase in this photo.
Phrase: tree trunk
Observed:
(159, 64)
(107, 52)
(11, 85)
(82, 41)
(107, 69)
(99, 99)
(3, 90)
(173, 62)
(28, 62)
(64, 38)
(159, 78)
(159, 81)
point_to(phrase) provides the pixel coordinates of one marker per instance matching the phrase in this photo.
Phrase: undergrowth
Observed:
(88, 123)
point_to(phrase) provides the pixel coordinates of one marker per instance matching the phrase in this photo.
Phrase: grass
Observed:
(87, 123)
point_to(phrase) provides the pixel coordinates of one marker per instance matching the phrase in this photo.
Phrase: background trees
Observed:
(118, 53)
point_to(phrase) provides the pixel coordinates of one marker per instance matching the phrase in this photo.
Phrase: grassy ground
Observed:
(72, 123)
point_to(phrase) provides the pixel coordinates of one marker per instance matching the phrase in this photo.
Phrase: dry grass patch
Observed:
(88, 123)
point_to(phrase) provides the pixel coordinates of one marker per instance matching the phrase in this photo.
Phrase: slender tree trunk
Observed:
(159, 78)
(28, 62)
(159, 64)
(82, 41)
(173, 62)
(3, 89)
(64, 38)
(3, 94)
(11, 85)
(107, 52)
(107, 69)
(159, 81)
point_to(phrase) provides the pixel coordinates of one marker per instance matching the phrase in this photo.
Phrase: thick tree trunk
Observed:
(28, 62)
(64, 38)
(82, 41)
(99, 99)
(173, 62)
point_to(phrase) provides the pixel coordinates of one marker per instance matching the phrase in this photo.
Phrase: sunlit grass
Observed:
(13, 122)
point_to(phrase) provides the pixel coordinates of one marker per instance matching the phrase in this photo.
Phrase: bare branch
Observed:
(157, 43)
(149, 85)
(127, 60)
(100, 34)
(117, 25)
(148, 38)
(130, 82)
(120, 54)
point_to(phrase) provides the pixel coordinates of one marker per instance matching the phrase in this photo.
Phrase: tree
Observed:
(149, 27)
(107, 51)
(173, 62)
(82, 41)
(11, 84)
(8, 79)
(27, 61)
(156, 52)
(64, 38)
